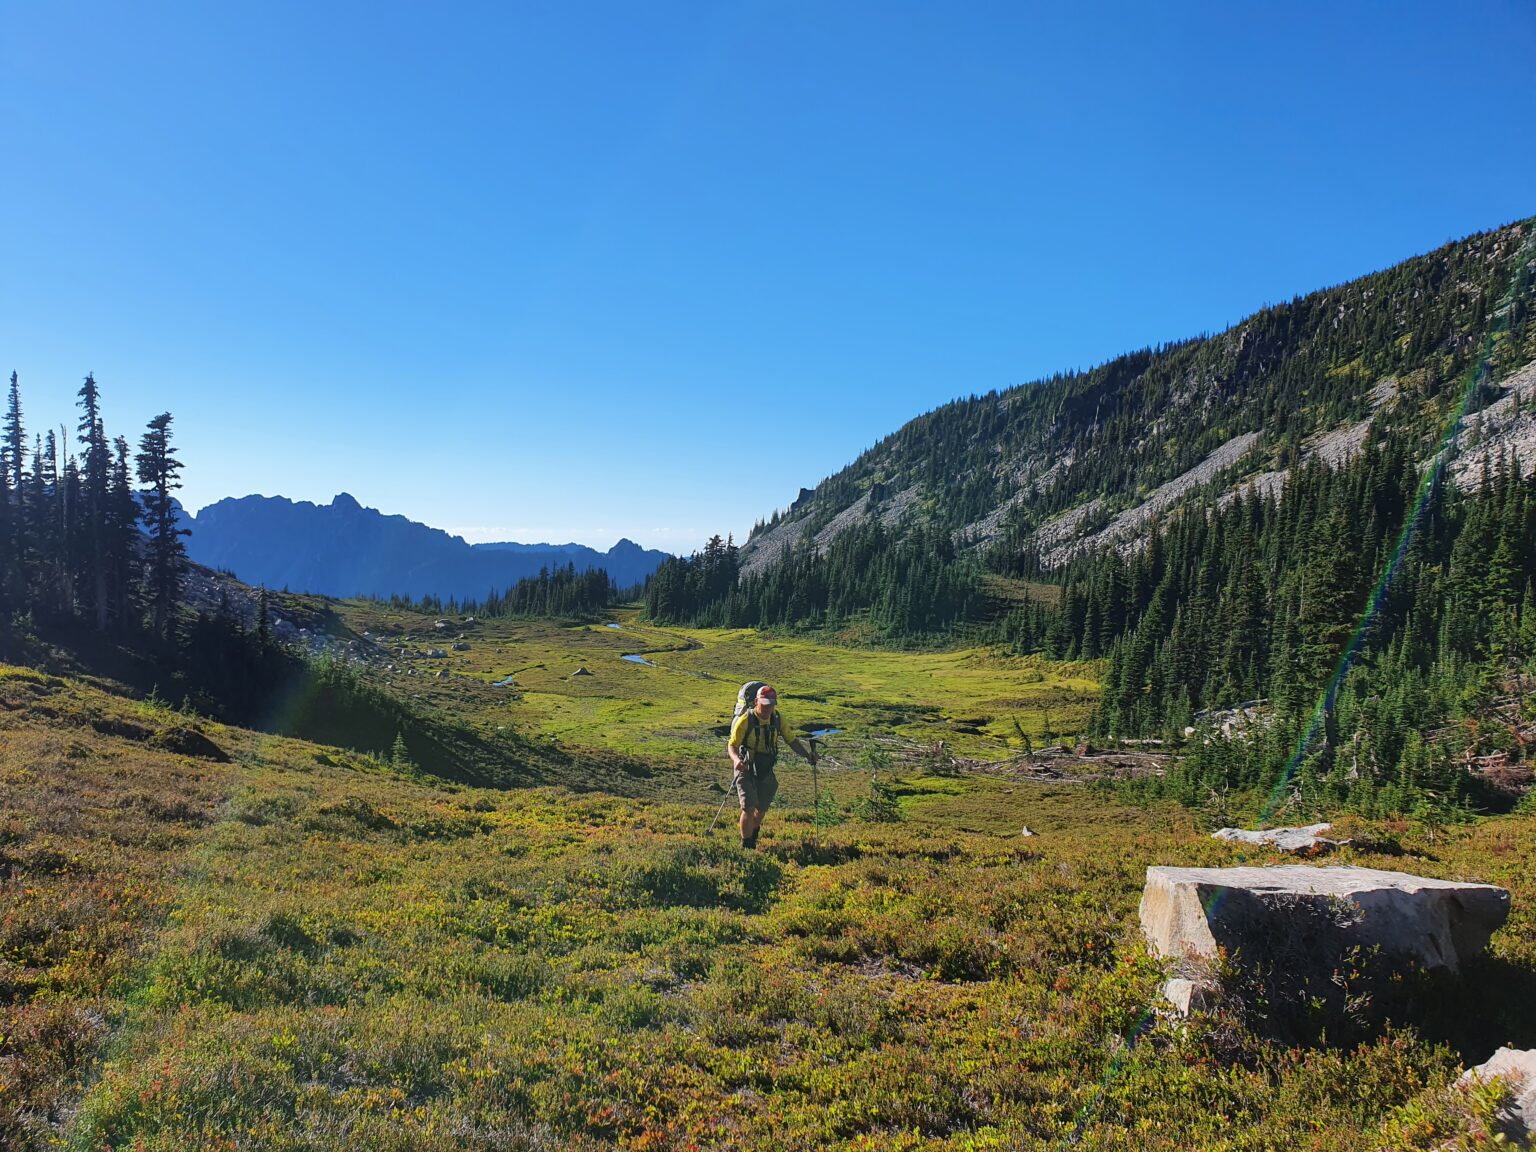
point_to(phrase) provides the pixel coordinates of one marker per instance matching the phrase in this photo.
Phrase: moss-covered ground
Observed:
(304, 948)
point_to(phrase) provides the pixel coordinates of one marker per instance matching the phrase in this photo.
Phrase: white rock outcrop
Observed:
(1293, 910)
(1306, 839)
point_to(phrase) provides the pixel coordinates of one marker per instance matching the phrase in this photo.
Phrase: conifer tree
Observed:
(121, 538)
(41, 526)
(15, 438)
(9, 538)
(95, 482)
(166, 557)
(13, 508)
(399, 754)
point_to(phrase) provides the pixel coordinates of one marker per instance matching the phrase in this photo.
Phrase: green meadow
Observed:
(305, 947)
(665, 713)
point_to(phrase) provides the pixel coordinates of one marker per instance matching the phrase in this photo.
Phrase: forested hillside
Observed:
(1388, 622)
(94, 579)
(92, 537)
(998, 468)
(1325, 509)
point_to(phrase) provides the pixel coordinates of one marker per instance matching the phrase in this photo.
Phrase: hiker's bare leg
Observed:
(751, 821)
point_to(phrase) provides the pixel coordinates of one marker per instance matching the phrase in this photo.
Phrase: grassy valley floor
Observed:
(302, 948)
(663, 714)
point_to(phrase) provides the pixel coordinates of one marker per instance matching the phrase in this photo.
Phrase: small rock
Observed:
(1189, 996)
(1024, 831)
(1517, 1068)
(1305, 841)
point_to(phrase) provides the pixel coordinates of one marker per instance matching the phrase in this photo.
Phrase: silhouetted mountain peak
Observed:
(345, 549)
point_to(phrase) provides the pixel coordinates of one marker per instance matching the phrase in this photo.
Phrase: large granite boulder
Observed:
(1291, 914)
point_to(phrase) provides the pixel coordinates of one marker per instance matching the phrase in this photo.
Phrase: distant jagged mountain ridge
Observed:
(1057, 467)
(344, 549)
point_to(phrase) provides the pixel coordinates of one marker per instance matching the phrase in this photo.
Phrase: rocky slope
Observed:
(1091, 458)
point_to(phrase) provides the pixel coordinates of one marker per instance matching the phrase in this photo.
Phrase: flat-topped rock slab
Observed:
(1290, 912)
(1303, 841)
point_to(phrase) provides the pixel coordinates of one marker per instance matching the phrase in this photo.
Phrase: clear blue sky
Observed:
(581, 270)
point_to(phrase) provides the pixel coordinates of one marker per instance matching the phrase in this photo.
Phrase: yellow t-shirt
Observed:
(760, 736)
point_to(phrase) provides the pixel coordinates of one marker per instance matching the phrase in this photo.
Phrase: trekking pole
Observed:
(729, 790)
(718, 811)
(815, 799)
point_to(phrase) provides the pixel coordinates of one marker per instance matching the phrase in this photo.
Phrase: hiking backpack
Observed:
(744, 701)
(746, 698)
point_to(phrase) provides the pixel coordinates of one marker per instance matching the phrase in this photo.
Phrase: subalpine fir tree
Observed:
(15, 438)
(166, 557)
(13, 506)
(120, 526)
(95, 482)
(45, 572)
(399, 754)
(9, 537)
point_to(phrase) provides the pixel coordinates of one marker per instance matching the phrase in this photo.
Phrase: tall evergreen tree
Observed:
(122, 538)
(166, 557)
(95, 483)
(10, 597)
(15, 437)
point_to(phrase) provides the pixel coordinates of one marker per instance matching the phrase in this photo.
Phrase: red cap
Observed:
(767, 693)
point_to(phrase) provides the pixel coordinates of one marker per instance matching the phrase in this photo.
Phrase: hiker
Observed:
(754, 748)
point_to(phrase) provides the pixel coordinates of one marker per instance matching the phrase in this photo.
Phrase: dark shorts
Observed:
(756, 791)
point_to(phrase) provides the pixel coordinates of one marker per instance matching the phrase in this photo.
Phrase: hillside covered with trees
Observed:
(1323, 509)
(81, 542)
(94, 578)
